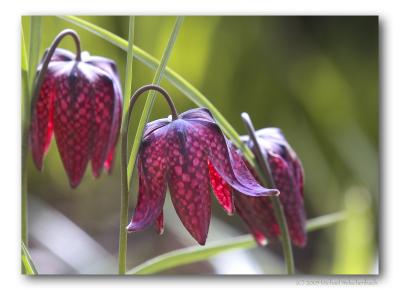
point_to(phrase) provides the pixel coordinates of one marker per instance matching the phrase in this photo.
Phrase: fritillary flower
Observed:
(78, 98)
(287, 174)
(188, 153)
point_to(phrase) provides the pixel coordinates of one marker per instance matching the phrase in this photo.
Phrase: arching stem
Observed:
(44, 66)
(124, 167)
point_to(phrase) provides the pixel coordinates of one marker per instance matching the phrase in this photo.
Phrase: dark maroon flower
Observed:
(188, 154)
(287, 174)
(79, 99)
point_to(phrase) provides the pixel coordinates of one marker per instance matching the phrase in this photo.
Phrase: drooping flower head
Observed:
(287, 174)
(187, 154)
(78, 97)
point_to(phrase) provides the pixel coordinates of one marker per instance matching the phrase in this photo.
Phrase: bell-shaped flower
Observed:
(79, 99)
(287, 174)
(187, 155)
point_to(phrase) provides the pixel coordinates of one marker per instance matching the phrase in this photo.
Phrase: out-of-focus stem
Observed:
(123, 239)
(277, 206)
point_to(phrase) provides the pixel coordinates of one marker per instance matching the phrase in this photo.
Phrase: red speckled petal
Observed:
(159, 224)
(229, 164)
(291, 198)
(116, 125)
(258, 214)
(188, 178)
(73, 121)
(258, 235)
(152, 169)
(104, 114)
(41, 129)
(109, 67)
(222, 190)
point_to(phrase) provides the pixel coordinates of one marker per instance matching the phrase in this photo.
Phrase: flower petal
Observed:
(73, 121)
(222, 190)
(230, 165)
(258, 214)
(291, 198)
(159, 224)
(41, 129)
(115, 127)
(188, 178)
(105, 110)
(200, 114)
(152, 170)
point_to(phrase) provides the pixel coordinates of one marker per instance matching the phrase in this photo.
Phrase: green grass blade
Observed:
(25, 112)
(27, 262)
(151, 97)
(122, 249)
(174, 78)
(129, 61)
(200, 253)
(325, 221)
(34, 48)
(192, 254)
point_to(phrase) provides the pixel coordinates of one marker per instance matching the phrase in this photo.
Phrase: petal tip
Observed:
(131, 228)
(202, 242)
(260, 238)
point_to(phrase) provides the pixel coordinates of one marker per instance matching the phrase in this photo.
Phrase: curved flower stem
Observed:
(151, 97)
(34, 90)
(43, 69)
(277, 206)
(124, 168)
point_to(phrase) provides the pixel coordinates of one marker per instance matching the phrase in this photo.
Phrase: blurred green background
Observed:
(317, 78)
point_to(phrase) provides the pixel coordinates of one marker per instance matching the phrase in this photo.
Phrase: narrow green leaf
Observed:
(26, 260)
(151, 97)
(34, 47)
(200, 253)
(129, 61)
(24, 57)
(25, 113)
(174, 78)
(124, 180)
(325, 221)
(192, 254)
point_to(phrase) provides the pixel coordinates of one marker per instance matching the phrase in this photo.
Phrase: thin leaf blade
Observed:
(26, 260)
(201, 253)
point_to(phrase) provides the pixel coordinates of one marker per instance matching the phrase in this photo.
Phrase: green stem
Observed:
(151, 97)
(27, 78)
(127, 168)
(124, 164)
(24, 140)
(201, 253)
(124, 186)
(276, 204)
